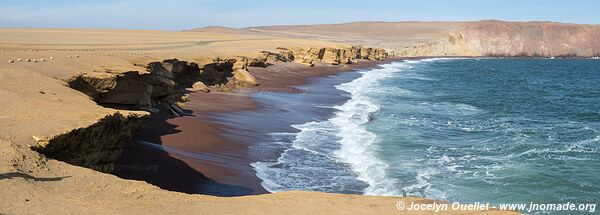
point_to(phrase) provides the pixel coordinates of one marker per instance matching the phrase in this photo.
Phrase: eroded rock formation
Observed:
(97, 146)
(333, 56)
(199, 86)
(244, 78)
(164, 82)
(218, 72)
(129, 88)
(161, 86)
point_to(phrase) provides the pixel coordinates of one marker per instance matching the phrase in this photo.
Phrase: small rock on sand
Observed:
(199, 86)
(51, 58)
(19, 59)
(69, 56)
(11, 61)
(245, 78)
(28, 60)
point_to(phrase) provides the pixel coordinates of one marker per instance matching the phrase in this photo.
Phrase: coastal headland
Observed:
(72, 99)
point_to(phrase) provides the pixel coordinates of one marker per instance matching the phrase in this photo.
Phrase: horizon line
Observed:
(294, 25)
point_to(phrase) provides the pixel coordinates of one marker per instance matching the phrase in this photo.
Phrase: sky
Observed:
(188, 14)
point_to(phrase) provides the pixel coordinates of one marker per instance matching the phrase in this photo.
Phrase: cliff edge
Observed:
(481, 38)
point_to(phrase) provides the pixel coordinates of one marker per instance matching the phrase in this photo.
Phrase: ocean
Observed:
(468, 130)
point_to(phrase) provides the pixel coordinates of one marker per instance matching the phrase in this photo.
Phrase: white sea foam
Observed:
(441, 59)
(430, 60)
(423, 187)
(357, 144)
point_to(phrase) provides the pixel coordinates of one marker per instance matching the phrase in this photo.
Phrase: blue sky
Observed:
(186, 14)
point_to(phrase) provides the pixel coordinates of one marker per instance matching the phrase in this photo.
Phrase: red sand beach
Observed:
(198, 158)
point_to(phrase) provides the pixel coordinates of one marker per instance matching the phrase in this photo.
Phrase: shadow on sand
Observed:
(12, 175)
(142, 162)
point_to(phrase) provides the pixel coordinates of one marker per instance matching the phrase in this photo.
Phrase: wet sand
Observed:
(193, 155)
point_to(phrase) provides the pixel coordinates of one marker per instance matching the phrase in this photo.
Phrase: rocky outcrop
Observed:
(333, 56)
(279, 55)
(218, 72)
(199, 86)
(97, 146)
(307, 57)
(244, 78)
(369, 53)
(129, 88)
(453, 45)
(164, 83)
(227, 73)
(167, 77)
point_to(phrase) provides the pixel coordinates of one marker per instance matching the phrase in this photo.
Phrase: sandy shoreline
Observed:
(199, 158)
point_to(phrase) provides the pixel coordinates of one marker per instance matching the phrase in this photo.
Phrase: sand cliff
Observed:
(161, 87)
(77, 95)
(528, 39)
(483, 38)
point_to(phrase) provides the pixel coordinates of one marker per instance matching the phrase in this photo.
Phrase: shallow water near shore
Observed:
(277, 131)
(485, 130)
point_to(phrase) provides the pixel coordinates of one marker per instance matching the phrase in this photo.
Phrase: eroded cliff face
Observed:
(166, 83)
(162, 84)
(454, 45)
(523, 39)
(533, 39)
(333, 56)
(97, 146)
(160, 87)
(128, 88)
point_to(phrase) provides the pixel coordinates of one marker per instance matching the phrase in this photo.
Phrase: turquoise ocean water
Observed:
(469, 130)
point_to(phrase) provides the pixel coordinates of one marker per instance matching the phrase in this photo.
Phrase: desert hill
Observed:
(482, 38)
